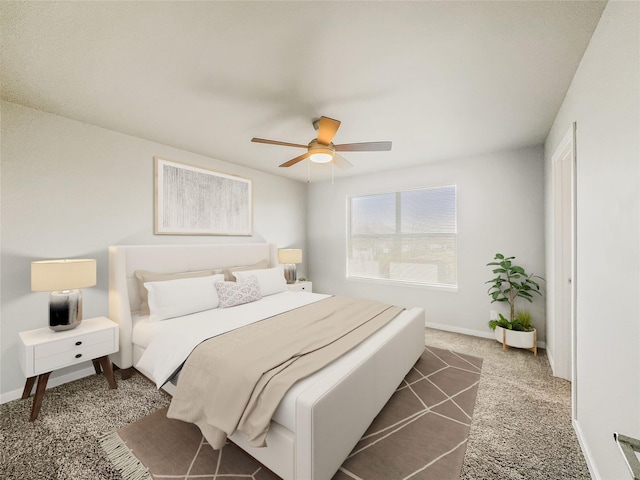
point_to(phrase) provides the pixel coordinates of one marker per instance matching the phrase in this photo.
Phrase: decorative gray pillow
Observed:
(238, 293)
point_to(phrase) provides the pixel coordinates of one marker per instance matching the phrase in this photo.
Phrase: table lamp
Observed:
(289, 257)
(63, 278)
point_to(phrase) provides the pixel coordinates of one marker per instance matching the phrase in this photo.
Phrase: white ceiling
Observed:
(439, 79)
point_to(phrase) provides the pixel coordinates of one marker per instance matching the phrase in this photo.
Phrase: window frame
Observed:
(399, 236)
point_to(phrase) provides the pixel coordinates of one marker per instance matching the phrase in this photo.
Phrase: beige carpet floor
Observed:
(421, 434)
(521, 428)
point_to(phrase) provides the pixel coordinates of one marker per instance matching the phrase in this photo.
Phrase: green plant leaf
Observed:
(510, 283)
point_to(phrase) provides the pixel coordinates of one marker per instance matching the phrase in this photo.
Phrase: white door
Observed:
(563, 308)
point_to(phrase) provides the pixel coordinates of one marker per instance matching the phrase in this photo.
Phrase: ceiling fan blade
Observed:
(341, 162)
(364, 147)
(293, 161)
(275, 142)
(327, 130)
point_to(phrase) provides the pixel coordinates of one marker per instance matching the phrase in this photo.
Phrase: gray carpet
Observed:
(62, 443)
(521, 426)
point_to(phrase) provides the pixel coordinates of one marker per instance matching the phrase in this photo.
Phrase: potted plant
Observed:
(511, 283)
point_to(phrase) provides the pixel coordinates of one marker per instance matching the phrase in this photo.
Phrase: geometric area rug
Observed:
(420, 434)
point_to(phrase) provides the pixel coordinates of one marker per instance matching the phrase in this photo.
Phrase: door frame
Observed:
(565, 152)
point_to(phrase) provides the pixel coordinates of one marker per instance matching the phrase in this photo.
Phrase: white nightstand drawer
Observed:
(71, 357)
(305, 286)
(72, 344)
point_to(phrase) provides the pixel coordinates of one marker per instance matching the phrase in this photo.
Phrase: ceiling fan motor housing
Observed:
(320, 153)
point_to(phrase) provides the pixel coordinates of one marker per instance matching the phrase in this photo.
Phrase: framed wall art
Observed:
(195, 201)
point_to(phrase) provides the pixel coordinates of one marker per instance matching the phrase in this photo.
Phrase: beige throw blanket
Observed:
(235, 381)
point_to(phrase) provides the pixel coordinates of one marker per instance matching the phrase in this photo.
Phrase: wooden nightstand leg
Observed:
(28, 386)
(108, 371)
(43, 378)
(96, 366)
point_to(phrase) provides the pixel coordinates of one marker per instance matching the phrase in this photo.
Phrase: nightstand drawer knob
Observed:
(78, 343)
(78, 355)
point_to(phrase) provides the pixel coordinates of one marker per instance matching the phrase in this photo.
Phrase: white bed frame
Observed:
(336, 405)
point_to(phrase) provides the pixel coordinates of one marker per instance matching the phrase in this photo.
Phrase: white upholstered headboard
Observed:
(124, 260)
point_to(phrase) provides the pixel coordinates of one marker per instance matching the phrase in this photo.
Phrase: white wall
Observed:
(604, 100)
(70, 190)
(500, 209)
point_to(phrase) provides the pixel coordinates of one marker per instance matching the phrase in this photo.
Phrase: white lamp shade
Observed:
(56, 275)
(290, 255)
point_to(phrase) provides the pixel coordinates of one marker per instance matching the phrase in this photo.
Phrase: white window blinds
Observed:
(405, 236)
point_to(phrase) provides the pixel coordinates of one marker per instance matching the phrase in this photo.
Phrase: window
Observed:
(404, 236)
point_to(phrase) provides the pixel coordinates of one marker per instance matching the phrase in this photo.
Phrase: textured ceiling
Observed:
(439, 79)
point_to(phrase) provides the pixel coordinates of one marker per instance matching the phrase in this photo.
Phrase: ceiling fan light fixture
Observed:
(321, 157)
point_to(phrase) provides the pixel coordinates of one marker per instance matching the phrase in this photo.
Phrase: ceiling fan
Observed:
(322, 149)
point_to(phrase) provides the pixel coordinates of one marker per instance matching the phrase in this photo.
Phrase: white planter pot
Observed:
(514, 338)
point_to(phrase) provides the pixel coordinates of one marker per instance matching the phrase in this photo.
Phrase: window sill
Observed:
(399, 283)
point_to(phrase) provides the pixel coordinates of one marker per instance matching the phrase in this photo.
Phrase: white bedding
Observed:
(169, 342)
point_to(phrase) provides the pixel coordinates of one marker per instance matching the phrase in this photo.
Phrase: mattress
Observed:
(144, 330)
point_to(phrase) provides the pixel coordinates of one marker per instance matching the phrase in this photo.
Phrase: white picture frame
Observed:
(191, 200)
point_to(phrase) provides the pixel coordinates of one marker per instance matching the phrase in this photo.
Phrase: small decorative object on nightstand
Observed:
(43, 351)
(301, 287)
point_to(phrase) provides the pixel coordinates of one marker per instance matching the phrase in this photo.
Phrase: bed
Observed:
(321, 417)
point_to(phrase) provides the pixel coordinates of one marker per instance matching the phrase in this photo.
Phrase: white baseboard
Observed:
(464, 331)
(468, 331)
(551, 362)
(53, 382)
(593, 471)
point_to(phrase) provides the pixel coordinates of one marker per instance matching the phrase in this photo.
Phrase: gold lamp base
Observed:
(290, 272)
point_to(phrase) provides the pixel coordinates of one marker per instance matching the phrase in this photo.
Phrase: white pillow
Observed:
(238, 293)
(271, 280)
(174, 298)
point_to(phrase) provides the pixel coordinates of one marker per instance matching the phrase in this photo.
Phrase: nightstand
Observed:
(42, 351)
(300, 287)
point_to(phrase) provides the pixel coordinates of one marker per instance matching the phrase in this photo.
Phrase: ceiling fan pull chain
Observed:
(331, 173)
(308, 171)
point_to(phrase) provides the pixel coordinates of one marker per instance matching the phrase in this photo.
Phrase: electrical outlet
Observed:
(493, 315)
